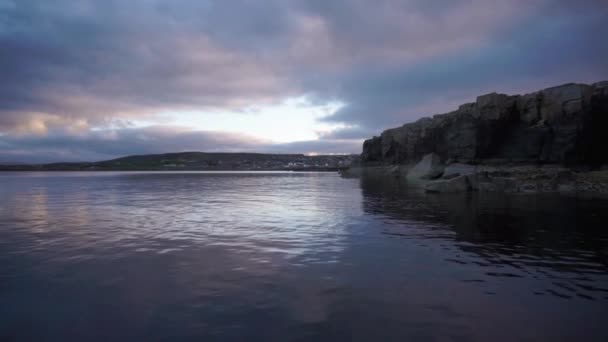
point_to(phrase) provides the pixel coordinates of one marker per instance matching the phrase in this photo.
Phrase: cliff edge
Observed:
(560, 129)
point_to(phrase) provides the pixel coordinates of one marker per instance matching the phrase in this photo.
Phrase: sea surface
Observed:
(203, 256)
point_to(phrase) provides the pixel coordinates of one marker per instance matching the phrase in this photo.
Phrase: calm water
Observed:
(293, 257)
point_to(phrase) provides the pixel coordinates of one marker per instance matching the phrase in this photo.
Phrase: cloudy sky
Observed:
(96, 79)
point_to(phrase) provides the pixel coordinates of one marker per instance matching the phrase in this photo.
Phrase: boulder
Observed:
(393, 171)
(430, 167)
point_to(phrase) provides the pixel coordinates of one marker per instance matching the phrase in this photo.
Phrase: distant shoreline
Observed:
(201, 161)
(185, 171)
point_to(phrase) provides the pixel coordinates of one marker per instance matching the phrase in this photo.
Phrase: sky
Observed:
(96, 79)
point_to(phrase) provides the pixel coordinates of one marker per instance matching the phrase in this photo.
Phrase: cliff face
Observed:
(561, 125)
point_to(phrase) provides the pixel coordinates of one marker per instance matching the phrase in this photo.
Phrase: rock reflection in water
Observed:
(559, 239)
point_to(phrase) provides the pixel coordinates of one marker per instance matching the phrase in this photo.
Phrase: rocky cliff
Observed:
(561, 125)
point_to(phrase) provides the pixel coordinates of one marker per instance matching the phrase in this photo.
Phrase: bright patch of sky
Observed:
(295, 119)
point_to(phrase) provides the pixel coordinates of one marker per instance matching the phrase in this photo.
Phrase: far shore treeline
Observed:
(200, 161)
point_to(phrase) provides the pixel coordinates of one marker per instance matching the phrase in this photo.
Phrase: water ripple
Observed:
(207, 254)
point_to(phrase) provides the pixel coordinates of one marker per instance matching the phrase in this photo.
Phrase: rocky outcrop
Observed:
(540, 142)
(559, 125)
(523, 179)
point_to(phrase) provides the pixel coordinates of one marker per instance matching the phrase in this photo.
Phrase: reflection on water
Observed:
(293, 256)
(560, 239)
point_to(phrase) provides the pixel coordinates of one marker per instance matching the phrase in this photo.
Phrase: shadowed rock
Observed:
(519, 143)
(457, 184)
(557, 125)
(430, 167)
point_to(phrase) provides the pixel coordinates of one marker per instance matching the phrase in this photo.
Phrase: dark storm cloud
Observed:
(101, 57)
(541, 51)
(71, 69)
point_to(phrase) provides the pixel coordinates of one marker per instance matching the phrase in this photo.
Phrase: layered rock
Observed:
(559, 125)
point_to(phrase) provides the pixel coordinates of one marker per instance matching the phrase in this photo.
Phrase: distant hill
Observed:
(191, 161)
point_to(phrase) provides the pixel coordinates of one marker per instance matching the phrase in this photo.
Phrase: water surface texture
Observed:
(293, 257)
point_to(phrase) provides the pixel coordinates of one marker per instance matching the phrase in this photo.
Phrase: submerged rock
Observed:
(458, 169)
(457, 184)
